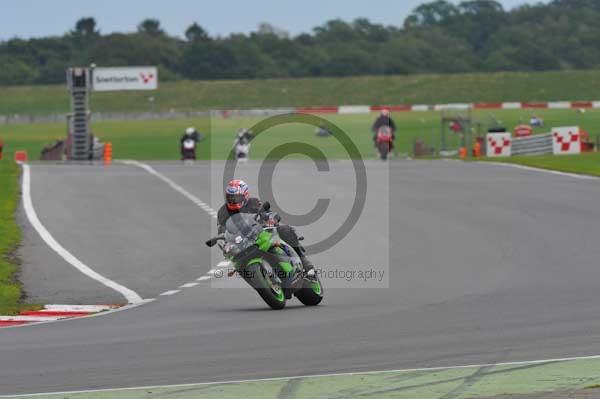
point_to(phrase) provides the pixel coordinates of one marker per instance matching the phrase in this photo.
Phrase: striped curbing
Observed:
(53, 313)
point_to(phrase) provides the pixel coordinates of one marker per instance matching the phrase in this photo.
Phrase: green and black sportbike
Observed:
(270, 265)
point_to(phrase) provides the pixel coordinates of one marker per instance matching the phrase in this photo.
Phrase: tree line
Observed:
(437, 37)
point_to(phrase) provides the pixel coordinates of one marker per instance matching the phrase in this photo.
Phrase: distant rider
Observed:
(384, 119)
(238, 200)
(243, 136)
(191, 133)
(241, 144)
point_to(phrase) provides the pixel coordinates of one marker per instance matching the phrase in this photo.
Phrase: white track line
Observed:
(189, 285)
(169, 293)
(197, 201)
(204, 206)
(531, 168)
(356, 373)
(130, 295)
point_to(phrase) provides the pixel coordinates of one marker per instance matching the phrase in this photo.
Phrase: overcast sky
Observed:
(34, 18)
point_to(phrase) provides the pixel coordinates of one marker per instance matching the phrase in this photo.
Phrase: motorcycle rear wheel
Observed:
(311, 294)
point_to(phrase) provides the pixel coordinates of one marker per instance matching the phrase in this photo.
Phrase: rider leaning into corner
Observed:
(384, 119)
(238, 200)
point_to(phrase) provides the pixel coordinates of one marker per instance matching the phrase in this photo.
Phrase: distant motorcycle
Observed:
(188, 150)
(242, 149)
(384, 141)
(267, 263)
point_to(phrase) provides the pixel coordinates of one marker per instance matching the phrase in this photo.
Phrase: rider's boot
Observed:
(309, 268)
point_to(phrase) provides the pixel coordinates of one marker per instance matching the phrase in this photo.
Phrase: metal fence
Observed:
(532, 145)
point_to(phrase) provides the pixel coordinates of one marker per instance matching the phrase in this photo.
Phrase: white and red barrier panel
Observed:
(318, 110)
(351, 109)
(566, 140)
(499, 145)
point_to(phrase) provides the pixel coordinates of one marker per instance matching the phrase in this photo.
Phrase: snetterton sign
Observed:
(125, 78)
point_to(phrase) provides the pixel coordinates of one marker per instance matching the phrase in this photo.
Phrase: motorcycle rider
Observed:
(238, 200)
(241, 144)
(191, 133)
(243, 136)
(384, 119)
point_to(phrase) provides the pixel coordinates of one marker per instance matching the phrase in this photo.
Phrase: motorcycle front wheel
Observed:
(384, 149)
(270, 292)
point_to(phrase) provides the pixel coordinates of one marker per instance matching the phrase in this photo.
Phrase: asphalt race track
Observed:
(481, 264)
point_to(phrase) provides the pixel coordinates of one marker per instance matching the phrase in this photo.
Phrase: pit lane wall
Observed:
(341, 109)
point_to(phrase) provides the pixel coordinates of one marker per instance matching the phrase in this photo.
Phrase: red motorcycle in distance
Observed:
(384, 141)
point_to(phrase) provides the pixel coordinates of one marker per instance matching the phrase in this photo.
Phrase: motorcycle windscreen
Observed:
(241, 231)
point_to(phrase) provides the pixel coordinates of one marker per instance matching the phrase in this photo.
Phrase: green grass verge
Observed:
(588, 163)
(459, 383)
(10, 292)
(158, 140)
(228, 94)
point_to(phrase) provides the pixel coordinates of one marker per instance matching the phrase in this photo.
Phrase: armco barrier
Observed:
(392, 108)
(318, 110)
(344, 109)
(354, 109)
(582, 104)
(487, 106)
(512, 105)
(559, 105)
(534, 105)
(450, 107)
(532, 145)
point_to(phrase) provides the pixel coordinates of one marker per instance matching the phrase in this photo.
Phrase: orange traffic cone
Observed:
(477, 149)
(108, 153)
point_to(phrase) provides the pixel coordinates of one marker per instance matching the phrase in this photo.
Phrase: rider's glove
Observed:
(271, 219)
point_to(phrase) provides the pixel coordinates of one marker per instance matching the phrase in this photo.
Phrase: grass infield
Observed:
(10, 292)
(587, 164)
(159, 140)
(267, 93)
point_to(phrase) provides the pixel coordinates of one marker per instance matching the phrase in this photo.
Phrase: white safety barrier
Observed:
(354, 109)
(344, 109)
(499, 145)
(459, 107)
(566, 140)
(559, 105)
